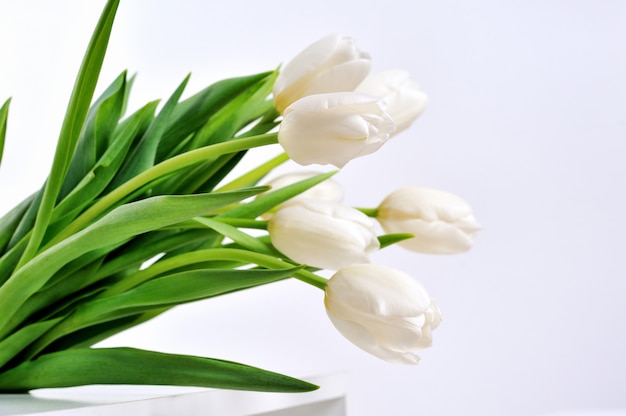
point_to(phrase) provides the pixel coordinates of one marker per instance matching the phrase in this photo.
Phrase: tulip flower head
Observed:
(441, 222)
(334, 128)
(332, 64)
(405, 101)
(323, 234)
(382, 311)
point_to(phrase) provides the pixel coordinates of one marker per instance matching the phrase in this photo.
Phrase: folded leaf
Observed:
(84, 366)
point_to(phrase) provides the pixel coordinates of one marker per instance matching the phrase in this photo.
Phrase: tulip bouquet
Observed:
(139, 214)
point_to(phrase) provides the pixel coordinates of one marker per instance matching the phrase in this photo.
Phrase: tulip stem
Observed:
(243, 222)
(213, 254)
(370, 212)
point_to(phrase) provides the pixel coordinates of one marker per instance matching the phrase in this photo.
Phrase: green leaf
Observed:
(132, 366)
(143, 156)
(144, 247)
(10, 222)
(389, 239)
(192, 113)
(4, 115)
(97, 133)
(99, 177)
(116, 227)
(248, 106)
(28, 219)
(72, 125)
(267, 201)
(91, 335)
(14, 344)
(238, 236)
(171, 290)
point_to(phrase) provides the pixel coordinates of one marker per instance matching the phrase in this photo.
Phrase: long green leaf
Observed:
(116, 227)
(131, 366)
(4, 115)
(168, 291)
(72, 124)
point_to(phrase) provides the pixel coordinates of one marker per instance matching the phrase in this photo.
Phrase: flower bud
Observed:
(382, 311)
(334, 128)
(332, 64)
(329, 190)
(322, 234)
(405, 101)
(442, 223)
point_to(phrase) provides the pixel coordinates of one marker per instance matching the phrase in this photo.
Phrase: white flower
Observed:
(329, 190)
(405, 101)
(441, 222)
(382, 311)
(334, 128)
(322, 234)
(332, 64)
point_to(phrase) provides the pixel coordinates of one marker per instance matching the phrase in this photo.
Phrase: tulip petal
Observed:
(360, 337)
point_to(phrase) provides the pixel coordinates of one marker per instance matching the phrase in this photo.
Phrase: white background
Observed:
(526, 121)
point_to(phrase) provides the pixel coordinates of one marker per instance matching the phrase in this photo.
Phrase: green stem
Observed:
(213, 254)
(168, 166)
(255, 174)
(243, 223)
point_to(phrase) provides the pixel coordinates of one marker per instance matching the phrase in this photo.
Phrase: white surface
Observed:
(526, 121)
(329, 400)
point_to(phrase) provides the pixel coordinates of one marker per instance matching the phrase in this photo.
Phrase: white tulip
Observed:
(441, 222)
(382, 311)
(405, 101)
(331, 64)
(322, 234)
(329, 190)
(334, 128)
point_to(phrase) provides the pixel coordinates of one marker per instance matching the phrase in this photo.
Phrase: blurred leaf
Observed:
(72, 125)
(114, 228)
(131, 366)
(4, 115)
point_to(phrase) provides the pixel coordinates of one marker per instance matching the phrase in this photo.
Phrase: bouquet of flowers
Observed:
(136, 217)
